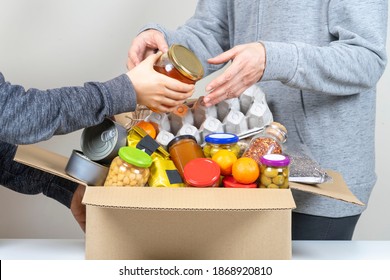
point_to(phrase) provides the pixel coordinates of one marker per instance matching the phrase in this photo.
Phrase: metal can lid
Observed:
(101, 142)
(230, 182)
(186, 62)
(221, 138)
(276, 160)
(135, 156)
(201, 172)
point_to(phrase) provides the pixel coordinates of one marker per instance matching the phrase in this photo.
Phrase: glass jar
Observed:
(202, 172)
(269, 141)
(183, 149)
(274, 171)
(129, 169)
(221, 141)
(181, 64)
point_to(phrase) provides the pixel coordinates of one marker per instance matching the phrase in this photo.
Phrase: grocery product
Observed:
(274, 170)
(221, 141)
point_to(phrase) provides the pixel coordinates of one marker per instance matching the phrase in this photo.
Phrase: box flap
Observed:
(335, 188)
(189, 198)
(39, 158)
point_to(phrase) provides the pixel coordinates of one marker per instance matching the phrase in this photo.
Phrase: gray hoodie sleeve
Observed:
(29, 116)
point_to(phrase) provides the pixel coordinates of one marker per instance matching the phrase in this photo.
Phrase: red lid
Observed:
(201, 172)
(230, 182)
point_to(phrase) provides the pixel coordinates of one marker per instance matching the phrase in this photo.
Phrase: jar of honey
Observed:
(183, 149)
(181, 64)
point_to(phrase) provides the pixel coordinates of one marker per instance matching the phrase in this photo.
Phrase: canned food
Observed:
(221, 141)
(202, 172)
(274, 171)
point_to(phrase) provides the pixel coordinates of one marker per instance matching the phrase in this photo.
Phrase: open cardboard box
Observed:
(186, 223)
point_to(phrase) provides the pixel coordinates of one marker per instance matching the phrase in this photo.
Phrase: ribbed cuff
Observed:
(281, 61)
(61, 190)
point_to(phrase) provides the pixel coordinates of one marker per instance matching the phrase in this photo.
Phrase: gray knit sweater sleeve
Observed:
(29, 116)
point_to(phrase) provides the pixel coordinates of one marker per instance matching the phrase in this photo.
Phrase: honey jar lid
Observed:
(135, 156)
(186, 62)
(201, 172)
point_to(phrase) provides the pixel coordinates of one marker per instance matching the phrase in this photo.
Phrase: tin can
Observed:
(274, 171)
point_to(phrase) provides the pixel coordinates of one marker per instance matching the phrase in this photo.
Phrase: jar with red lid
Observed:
(182, 150)
(274, 171)
(181, 64)
(230, 182)
(202, 172)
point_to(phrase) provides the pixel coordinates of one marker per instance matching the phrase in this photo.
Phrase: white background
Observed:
(52, 43)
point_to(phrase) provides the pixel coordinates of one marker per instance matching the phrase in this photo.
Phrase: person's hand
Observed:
(77, 208)
(246, 69)
(158, 91)
(144, 45)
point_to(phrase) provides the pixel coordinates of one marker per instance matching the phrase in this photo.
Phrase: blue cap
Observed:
(221, 138)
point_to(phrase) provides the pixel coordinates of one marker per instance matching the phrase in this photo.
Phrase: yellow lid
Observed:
(186, 62)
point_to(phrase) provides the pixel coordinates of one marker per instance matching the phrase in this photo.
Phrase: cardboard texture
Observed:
(186, 223)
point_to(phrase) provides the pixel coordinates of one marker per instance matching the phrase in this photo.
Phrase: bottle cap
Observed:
(221, 138)
(135, 156)
(276, 160)
(201, 172)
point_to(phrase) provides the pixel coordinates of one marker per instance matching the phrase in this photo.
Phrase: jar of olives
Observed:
(221, 141)
(129, 169)
(274, 171)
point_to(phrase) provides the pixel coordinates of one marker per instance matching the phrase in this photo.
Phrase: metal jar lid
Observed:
(186, 62)
(102, 142)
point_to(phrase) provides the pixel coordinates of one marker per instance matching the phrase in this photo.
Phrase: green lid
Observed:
(135, 156)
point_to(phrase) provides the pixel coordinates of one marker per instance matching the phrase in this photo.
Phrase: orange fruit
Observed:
(245, 170)
(148, 127)
(225, 160)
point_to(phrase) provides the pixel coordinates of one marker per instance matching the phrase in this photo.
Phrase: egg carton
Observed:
(244, 116)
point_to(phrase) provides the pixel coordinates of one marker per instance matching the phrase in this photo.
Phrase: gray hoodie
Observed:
(323, 61)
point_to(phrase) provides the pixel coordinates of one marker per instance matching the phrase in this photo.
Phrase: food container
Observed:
(183, 149)
(202, 172)
(102, 142)
(274, 171)
(129, 169)
(181, 64)
(85, 170)
(268, 141)
(221, 141)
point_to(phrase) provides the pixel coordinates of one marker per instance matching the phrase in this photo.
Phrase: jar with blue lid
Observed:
(221, 141)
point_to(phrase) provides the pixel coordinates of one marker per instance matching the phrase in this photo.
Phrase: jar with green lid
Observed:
(129, 169)
(181, 64)
(221, 141)
(274, 171)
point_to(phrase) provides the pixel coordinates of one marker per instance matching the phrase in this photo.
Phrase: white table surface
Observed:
(73, 249)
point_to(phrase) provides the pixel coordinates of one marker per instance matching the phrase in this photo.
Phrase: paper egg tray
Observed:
(243, 116)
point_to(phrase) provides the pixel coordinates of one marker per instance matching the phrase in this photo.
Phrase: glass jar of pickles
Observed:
(181, 64)
(268, 141)
(221, 141)
(274, 171)
(129, 169)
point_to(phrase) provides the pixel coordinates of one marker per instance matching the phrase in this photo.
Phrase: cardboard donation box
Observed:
(186, 223)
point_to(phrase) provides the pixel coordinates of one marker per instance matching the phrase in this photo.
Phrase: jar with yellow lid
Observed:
(129, 169)
(181, 64)
(269, 141)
